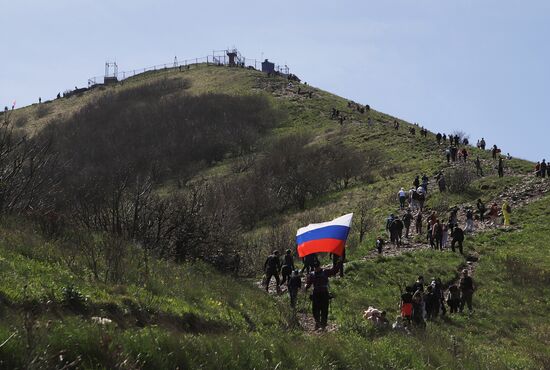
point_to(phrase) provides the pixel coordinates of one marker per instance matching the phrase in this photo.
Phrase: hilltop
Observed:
(144, 237)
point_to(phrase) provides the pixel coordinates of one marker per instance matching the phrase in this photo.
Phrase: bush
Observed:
(72, 297)
(459, 179)
(43, 110)
(21, 121)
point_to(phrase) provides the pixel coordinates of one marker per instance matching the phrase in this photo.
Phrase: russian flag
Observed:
(329, 237)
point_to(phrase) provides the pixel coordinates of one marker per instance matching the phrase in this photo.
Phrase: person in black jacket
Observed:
(288, 266)
(320, 297)
(294, 285)
(467, 288)
(396, 231)
(481, 209)
(272, 266)
(458, 238)
(407, 219)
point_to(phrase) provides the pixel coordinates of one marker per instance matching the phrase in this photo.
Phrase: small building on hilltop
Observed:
(268, 67)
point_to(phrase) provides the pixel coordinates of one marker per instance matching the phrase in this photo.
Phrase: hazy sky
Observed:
(479, 66)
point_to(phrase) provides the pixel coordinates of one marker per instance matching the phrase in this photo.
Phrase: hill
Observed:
(140, 235)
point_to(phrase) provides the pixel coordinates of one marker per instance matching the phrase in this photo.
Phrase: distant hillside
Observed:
(137, 218)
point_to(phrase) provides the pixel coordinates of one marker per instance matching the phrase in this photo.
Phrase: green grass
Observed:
(192, 316)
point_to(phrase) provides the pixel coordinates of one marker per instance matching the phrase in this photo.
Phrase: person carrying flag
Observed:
(320, 298)
(326, 237)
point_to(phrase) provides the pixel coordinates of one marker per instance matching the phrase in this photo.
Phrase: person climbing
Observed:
(479, 169)
(438, 137)
(448, 155)
(437, 286)
(389, 221)
(407, 219)
(288, 266)
(320, 298)
(467, 289)
(418, 308)
(420, 197)
(454, 153)
(537, 170)
(464, 154)
(430, 235)
(418, 223)
(418, 284)
(413, 202)
(481, 209)
(430, 301)
(469, 221)
(500, 167)
(437, 231)
(543, 168)
(482, 144)
(402, 195)
(416, 182)
(506, 210)
(380, 244)
(494, 151)
(407, 304)
(432, 218)
(309, 262)
(493, 212)
(444, 236)
(453, 298)
(425, 181)
(294, 285)
(458, 238)
(396, 231)
(453, 218)
(272, 266)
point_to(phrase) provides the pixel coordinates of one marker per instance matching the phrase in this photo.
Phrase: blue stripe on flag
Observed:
(327, 232)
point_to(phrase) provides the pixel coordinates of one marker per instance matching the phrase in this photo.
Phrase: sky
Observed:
(481, 67)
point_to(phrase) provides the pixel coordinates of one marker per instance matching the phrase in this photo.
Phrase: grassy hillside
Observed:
(60, 307)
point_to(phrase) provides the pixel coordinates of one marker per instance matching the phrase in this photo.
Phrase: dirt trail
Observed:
(304, 319)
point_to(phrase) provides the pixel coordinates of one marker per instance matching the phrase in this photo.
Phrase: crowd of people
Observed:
(542, 169)
(285, 273)
(439, 231)
(419, 302)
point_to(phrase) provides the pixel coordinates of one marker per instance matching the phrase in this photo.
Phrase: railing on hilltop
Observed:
(208, 60)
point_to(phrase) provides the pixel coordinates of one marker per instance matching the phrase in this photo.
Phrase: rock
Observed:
(101, 320)
(472, 257)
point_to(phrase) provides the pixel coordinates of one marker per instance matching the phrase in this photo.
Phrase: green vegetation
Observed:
(111, 298)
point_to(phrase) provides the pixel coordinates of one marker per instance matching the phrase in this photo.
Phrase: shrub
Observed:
(43, 110)
(72, 297)
(459, 178)
(21, 121)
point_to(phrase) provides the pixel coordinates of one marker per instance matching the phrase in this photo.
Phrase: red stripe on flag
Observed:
(322, 245)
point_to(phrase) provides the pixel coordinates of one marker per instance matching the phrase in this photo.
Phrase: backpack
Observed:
(508, 208)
